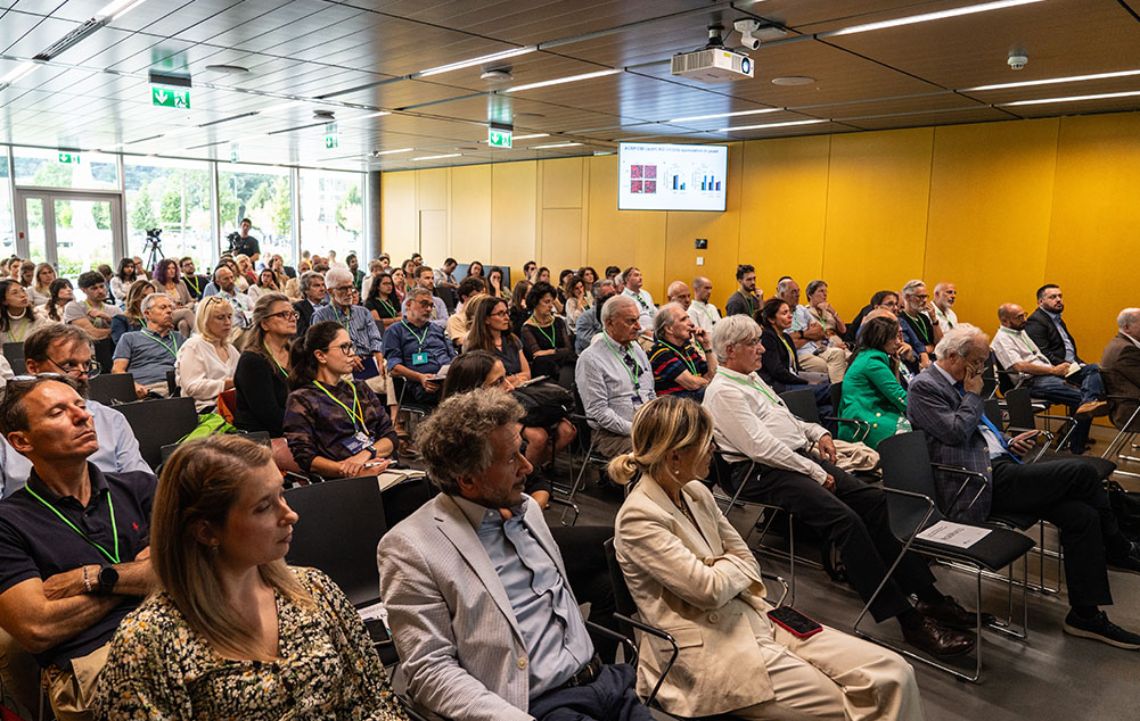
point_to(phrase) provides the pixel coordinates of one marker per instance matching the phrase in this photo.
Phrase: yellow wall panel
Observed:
(399, 230)
(514, 201)
(990, 198)
(782, 219)
(1093, 236)
(622, 237)
(561, 242)
(471, 213)
(431, 188)
(878, 188)
(562, 183)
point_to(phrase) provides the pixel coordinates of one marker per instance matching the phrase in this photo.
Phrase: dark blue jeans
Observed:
(611, 697)
(1066, 391)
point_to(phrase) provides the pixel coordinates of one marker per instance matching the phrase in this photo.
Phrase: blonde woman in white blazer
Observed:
(693, 576)
(207, 361)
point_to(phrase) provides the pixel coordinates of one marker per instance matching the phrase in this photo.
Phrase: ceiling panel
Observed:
(979, 114)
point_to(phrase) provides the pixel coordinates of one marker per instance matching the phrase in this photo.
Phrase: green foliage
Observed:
(53, 175)
(101, 214)
(142, 215)
(171, 211)
(283, 213)
(349, 215)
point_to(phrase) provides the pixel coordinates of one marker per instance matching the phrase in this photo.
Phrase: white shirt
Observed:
(1015, 346)
(947, 319)
(704, 315)
(750, 422)
(606, 384)
(1134, 341)
(200, 373)
(645, 308)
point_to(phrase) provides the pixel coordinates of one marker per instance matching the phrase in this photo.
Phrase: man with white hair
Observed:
(945, 295)
(356, 319)
(704, 314)
(589, 324)
(795, 470)
(614, 378)
(148, 354)
(944, 401)
(678, 356)
(1120, 367)
(226, 284)
(813, 353)
(916, 317)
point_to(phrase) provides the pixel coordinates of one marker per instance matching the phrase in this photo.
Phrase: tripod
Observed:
(153, 249)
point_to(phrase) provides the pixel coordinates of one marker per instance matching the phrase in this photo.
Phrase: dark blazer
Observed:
(1120, 367)
(305, 310)
(950, 422)
(1041, 329)
(778, 367)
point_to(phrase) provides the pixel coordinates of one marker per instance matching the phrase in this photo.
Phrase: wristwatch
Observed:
(108, 577)
(371, 451)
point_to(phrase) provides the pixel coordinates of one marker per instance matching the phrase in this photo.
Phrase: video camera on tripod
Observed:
(233, 237)
(153, 247)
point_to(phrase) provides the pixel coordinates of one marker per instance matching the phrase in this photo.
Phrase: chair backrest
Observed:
(623, 600)
(112, 388)
(259, 437)
(157, 423)
(341, 523)
(406, 497)
(905, 462)
(836, 396)
(801, 403)
(1020, 408)
(994, 413)
(14, 352)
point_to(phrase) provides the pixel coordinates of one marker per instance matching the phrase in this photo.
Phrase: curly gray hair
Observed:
(455, 441)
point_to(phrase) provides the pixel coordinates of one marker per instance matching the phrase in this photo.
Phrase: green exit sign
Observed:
(332, 136)
(69, 158)
(169, 97)
(498, 138)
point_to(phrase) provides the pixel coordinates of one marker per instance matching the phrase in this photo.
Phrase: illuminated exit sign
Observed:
(499, 137)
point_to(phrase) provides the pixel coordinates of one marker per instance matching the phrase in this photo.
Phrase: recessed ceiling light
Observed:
(788, 124)
(1073, 98)
(117, 9)
(532, 136)
(513, 52)
(736, 114)
(378, 153)
(927, 17)
(530, 115)
(567, 79)
(437, 157)
(227, 69)
(791, 80)
(550, 146)
(1053, 81)
(17, 72)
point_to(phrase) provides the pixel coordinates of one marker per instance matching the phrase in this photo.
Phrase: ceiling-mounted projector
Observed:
(714, 63)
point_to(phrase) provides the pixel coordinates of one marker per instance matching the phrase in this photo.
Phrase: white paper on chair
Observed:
(953, 534)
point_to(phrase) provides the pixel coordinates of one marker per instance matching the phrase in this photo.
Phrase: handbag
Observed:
(545, 402)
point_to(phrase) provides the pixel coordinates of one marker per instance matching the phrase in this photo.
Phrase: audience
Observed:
(266, 283)
(883, 301)
(195, 283)
(589, 325)
(1077, 386)
(167, 280)
(475, 270)
(261, 379)
(780, 367)
(808, 331)
(259, 639)
(148, 354)
(131, 318)
(578, 300)
(746, 300)
(545, 338)
(1120, 367)
(375, 270)
(224, 280)
(18, 317)
(704, 314)
(613, 377)
(495, 285)
(871, 389)
(381, 300)
(945, 295)
(61, 293)
(678, 358)
(366, 337)
(416, 349)
(66, 350)
(424, 278)
(122, 281)
(313, 296)
(40, 291)
(460, 321)
(944, 402)
(336, 427)
(491, 332)
(485, 622)
(207, 360)
(518, 310)
(916, 318)
(795, 470)
(589, 277)
(686, 567)
(73, 542)
(646, 309)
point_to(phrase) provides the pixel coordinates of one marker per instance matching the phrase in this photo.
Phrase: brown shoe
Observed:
(952, 614)
(937, 640)
(1092, 409)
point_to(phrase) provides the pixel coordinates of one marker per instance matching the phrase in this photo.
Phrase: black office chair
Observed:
(112, 389)
(801, 402)
(908, 479)
(14, 353)
(157, 423)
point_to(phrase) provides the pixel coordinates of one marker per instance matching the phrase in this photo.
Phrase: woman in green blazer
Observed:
(871, 388)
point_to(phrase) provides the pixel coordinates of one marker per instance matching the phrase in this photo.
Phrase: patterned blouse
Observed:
(159, 669)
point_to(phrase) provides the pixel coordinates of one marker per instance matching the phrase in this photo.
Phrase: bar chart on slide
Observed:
(662, 176)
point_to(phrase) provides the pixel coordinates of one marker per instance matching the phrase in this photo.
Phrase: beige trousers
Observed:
(71, 692)
(834, 675)
(832, 361)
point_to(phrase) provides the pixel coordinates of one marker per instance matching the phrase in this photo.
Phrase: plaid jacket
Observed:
(950, 422)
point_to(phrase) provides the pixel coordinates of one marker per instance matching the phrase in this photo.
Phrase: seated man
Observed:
(704, 314)
(945, 295)
(944, 402)
(1077, 386)
(810, 338)
(314, 295)
(195, 283)
(678, 355)
(73, 542)
(226, 283)
(65, 349)
(746, 300)
(645, 307)
(482, 613)
(1120, 367)
(94, 313)
(916, 318)
(589, 324)
(424, 277)
(613, 377)
(149, 353)
(751, 423)
(416, 349)
(357, 321)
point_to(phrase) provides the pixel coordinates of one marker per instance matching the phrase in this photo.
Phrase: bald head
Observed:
(945, 295)
(1128, 321)
(1012, 315)
(679, 293)
(702, 289)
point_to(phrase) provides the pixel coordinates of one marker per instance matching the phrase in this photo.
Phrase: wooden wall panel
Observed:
(471, 213)
(514, 203)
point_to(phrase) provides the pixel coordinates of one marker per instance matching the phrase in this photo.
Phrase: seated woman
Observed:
(335, 427)
(475, 269)
(168, 279)
(779, 367)
(40, 290)
(235, 632)
(266, 283)
(518, 310)
(495, 285)
(122, 281)
(382, 300)
(545, 338)
(692, 574)
(871, 388)
(207, 360)
(18, 317)
(60, 293)
(491, 331)
(577, 300)
(131, 318)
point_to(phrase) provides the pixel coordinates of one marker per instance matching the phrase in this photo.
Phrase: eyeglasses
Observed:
(343, 289)
(286, 314)
(346, 348)
(499, 314)
(90, 369)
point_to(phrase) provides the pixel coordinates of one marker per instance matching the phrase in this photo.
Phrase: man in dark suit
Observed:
(1048, 329)
(944, 402)
(313, 296)
(1120, 367)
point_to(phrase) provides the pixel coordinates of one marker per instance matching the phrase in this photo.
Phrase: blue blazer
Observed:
(950, 422)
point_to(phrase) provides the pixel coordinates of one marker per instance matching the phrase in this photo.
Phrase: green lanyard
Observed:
(355, 413)
(419, 338)
(113, 558)
(97, 322)
(791, 351)
(347, 317)
(684, 358)
(750, 384)
(388, 306)
(634, 375)
(193, 283)
(637, 296)
(919, 327)
(553, 337)
(172, 349)
(274, 359)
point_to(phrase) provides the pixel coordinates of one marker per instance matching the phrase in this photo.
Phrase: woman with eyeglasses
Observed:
(207, 360)
(336, 428)
(261, 380)
(491, 332)
(382, 300)
(40, 290)
(131, 318)
(18, 317)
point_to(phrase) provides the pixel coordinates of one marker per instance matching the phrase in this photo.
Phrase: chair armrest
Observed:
(556, 501)
(958, 470)
(783, 583)
(863, 427)
(657, 633)
(625, 641)
(925, 518)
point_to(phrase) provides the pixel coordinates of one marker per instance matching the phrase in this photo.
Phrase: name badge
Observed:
(357, 442)
(419, 359)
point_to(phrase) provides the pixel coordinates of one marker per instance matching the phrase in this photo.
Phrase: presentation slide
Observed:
(665, 176)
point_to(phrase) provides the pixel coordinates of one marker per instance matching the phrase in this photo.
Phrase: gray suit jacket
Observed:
(950, 422)
(461, 648)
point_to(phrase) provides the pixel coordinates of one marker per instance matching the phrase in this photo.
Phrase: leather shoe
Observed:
(1091, 410)
(932, 637)
(949, 612)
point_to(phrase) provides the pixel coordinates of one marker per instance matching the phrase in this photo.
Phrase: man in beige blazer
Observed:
(1120, 367)
(482, 615)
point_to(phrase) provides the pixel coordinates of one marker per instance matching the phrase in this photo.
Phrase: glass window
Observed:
(54, 169)
(332, 213)
(173, 196)
(7, 225)
(264, 195)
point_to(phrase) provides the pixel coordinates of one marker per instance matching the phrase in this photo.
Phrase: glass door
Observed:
(74, 231)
